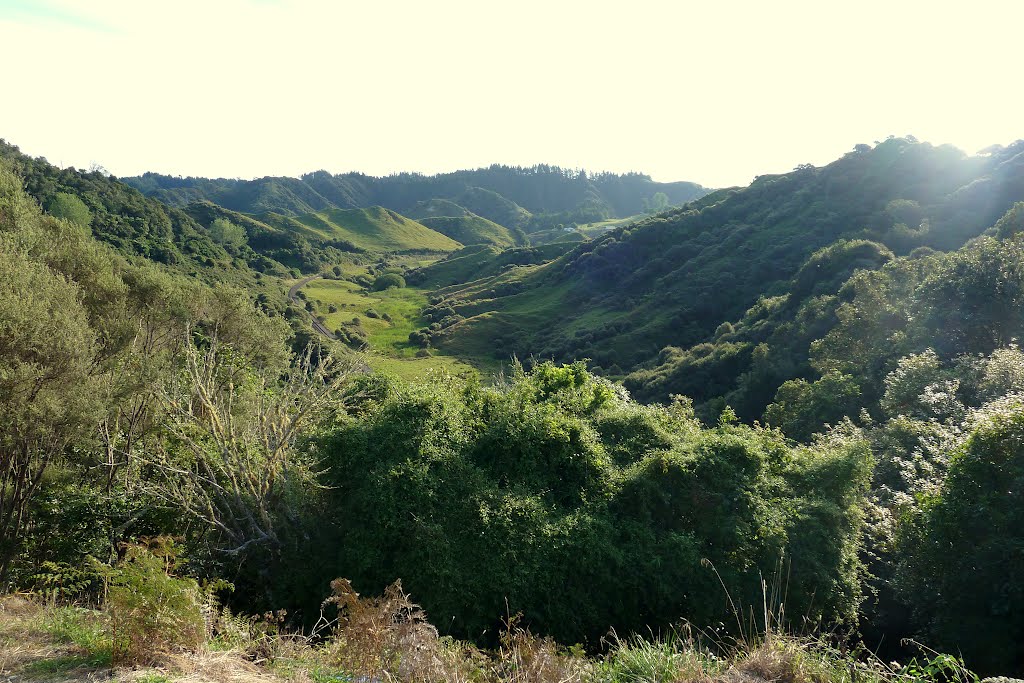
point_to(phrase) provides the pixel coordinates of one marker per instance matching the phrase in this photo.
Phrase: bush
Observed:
(151, 610)
(962, 567)
(69, 207)
(387, 281)
(553, 487)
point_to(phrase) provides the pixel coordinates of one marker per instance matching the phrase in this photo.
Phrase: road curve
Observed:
(292, 296)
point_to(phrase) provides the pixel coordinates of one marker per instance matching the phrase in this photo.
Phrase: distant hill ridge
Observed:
(530, 198)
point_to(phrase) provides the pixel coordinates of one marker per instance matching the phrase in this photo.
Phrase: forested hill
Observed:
(117, 214)
(674, 279)
(538, 196)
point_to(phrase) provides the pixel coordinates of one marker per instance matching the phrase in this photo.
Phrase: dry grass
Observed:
(387, 639)
(200, 667)
(28, 650)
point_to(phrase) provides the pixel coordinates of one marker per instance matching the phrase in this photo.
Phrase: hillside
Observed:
(482, 261)
(370, 229)
(671, 280)
(529, 198)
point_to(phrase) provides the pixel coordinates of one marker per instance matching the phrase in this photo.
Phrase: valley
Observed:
(516, 388)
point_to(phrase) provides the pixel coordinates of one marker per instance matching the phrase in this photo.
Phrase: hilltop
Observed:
(463, 225)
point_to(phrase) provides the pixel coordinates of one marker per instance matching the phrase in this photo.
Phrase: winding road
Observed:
(292, 296)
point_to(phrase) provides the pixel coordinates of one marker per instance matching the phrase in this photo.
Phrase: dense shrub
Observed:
(539, 494)
(151, 610)
(387, 281)
(963, 567)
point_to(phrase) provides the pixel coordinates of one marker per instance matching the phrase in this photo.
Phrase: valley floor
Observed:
(386, 318)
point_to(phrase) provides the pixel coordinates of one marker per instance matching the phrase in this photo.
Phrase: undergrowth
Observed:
(387, 639)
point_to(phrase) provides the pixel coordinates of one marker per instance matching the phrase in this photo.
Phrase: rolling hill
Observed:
(371, 229)
(463, 225)
(670, 281)
(530, 198)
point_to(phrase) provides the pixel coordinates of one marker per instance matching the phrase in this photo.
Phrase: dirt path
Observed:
(293, 297)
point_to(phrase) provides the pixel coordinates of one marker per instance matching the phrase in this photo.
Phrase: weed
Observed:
(151, 611)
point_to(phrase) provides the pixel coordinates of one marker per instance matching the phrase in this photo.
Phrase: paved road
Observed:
(317, 325)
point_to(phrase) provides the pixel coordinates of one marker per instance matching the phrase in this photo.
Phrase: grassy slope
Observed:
(493, 206)
(471, 229)
(372, 229)
(390, 349)
(479, 261)
(433, 208)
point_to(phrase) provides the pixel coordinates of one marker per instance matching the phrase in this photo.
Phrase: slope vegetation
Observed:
(673, 279)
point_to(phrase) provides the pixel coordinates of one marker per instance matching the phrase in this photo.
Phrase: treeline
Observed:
(532, 198)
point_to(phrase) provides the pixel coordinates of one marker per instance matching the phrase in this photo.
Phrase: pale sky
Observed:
(713, 92)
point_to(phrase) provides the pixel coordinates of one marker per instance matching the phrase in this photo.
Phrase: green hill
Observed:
(372, 229)
(472, 229)
(434, 208)
(671, 280)
(463, 225)
(494, 207)
(531, 198)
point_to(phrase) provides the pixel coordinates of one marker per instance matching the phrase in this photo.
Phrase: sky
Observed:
(712, 92)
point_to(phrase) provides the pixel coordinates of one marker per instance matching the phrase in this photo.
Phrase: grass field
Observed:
(390, 349)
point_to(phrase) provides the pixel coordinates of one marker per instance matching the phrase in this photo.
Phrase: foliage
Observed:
(801, 409)
(47, 379)
(227, 233)
(69, 207)
(554, 486)
(962, 569)
(387, 281)
(88, 341)
(151, 610)
(231, 462)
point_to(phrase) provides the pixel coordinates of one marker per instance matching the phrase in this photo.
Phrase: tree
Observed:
(227, 234)
(46, 381)
(71, 208)
(232, 463)
(963, 565)
(659, 202)
(801, 408)
(387, 281)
